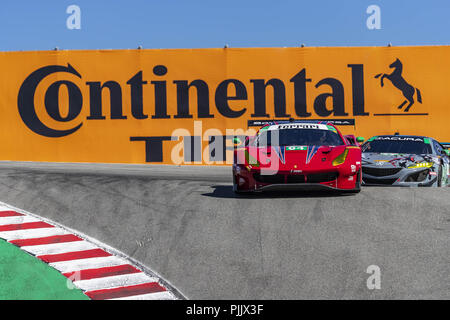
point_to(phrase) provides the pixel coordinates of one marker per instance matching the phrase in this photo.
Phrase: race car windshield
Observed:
(395, 146)
(298, 137)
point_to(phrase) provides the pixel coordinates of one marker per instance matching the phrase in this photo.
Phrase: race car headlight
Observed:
(340, 159)
(421, 165)
(241, 167)
(251, 160)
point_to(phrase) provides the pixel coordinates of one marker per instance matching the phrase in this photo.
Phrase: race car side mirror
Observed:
(360, 139)
(237, 141)
(446, 152)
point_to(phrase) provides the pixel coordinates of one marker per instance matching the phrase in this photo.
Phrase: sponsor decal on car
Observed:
(296, 148)
(394, 138)
(381, 162)
(300, 126)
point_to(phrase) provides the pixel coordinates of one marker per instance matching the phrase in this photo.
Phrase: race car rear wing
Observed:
(446, 145)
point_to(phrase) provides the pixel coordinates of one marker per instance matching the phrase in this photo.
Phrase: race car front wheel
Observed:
(358, 181)
(236, 188)
(439, 177)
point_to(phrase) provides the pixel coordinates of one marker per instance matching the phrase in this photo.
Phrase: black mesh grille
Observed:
(380, 172)
(321, 177)
(418, 176)
(379, 181)
(270, 178)
(296, 178)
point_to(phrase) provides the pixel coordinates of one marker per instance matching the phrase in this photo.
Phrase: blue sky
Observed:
(113, 24)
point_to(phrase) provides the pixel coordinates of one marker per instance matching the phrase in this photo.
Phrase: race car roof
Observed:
(298, 124)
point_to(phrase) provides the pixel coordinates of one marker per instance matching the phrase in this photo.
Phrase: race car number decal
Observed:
(292, 148)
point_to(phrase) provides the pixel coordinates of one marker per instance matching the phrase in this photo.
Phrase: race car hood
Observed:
(397, 160)
(293, 157)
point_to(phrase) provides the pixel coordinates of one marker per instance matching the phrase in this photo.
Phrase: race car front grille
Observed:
(321, 177)
(296, 178)
(269, 178)
(380, 172)
(379, 181)
(418, 176)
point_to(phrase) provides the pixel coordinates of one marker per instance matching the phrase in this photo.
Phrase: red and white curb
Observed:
(100, 271)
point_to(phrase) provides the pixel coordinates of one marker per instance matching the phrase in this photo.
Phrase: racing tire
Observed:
(439, 177)
(236, 189)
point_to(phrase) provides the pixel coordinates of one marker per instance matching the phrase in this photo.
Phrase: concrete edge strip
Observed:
(97, 269)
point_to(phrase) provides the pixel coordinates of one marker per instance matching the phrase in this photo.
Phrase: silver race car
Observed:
(401, 160)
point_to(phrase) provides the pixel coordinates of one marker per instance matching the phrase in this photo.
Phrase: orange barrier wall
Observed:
(135, 106)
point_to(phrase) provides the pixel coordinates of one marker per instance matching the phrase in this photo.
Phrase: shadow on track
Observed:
(226, 191)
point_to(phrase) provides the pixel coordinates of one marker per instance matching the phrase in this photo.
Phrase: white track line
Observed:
(31, 233)
(56, 248)
(166, 295)
(90, 263)
(114, 281)
(17, 220)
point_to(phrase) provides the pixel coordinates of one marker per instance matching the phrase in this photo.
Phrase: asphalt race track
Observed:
(186, 224)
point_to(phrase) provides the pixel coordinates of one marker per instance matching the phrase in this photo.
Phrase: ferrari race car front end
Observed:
(297, 168)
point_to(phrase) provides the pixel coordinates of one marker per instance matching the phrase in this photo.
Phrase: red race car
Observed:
(296, 155)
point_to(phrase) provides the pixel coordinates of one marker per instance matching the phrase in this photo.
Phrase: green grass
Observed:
(24, 277)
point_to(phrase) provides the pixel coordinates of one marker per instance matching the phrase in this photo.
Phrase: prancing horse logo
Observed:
(400, 83)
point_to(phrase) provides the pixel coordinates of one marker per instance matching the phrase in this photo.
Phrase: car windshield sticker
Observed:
(298, 126)
(292, 148)
(397, 138)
